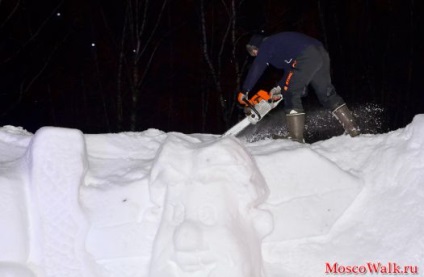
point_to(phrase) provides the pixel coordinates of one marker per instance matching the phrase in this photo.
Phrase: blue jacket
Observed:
(278, 50)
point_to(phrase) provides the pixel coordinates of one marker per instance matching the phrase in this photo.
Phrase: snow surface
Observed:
(169, 204)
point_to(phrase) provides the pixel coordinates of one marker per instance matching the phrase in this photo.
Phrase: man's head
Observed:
(253, 46)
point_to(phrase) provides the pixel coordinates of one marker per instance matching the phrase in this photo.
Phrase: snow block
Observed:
(13, 212)
(415, 131)
(57, 159)
(211, 225)
(15, 270)
(300, 205)
(13, 143)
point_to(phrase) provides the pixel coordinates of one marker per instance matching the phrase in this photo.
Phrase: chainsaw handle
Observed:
(252, 107)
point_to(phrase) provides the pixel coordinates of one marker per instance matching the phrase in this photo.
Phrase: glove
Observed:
(242, 98)
(275, 93)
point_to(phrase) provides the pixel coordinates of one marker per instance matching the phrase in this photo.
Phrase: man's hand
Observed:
(275, 93)
(242, 98)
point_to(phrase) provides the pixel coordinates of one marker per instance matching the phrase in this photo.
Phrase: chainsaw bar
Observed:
(236, 129)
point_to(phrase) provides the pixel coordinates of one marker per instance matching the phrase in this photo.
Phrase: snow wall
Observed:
(168, 204)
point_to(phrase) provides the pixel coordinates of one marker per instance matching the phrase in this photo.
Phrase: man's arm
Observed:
(255, 72)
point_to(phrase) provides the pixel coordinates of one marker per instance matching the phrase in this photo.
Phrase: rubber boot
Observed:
(296, 126)
(345, 117)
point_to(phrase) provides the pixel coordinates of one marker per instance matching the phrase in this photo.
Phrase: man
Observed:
(304, 61)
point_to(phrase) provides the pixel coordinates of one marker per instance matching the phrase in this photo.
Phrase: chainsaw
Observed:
(259, 105)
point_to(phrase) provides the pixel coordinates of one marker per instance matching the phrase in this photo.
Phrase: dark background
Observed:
(176, 65)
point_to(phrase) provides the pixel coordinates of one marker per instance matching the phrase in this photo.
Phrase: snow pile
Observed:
(167, 204)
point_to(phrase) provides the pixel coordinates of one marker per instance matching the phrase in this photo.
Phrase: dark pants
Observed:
(311, 67)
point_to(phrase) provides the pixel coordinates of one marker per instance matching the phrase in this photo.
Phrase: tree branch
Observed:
(37, 32)
(11, 13)
(25, 88)
(146, 44)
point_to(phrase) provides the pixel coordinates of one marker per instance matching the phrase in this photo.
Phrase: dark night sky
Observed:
(52, 75)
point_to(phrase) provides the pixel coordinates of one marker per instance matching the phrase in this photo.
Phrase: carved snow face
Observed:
(208, 219)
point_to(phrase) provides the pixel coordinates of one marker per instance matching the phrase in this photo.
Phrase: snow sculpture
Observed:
(211, 225)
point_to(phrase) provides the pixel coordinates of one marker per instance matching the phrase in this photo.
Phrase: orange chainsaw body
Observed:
(260, 95)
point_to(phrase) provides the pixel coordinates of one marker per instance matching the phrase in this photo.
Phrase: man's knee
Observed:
(293, 101)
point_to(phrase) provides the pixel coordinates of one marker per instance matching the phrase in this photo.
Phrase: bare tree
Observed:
(216, 59)
(137, 51)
